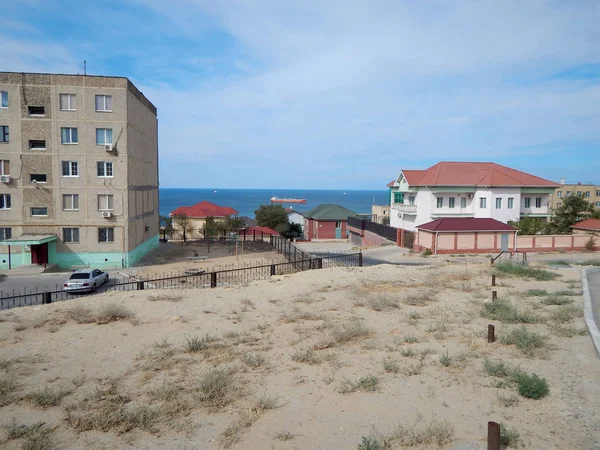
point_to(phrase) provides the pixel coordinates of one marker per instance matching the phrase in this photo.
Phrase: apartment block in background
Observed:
(589, 192)
(78, 171)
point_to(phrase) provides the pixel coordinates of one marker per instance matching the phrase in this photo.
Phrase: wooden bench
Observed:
(197, 258)
(79, 266)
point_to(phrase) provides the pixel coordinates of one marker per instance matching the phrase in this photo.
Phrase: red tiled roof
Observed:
(473, 174)
(265, 230)
(588, 224)
(454, 224)
(391, 183)
(205, 209)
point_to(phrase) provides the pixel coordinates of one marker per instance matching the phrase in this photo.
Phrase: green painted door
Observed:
(338, 230)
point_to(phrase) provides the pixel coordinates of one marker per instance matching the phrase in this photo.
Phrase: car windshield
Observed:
(80, 276)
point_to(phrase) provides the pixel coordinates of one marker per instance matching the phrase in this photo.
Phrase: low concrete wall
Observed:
(364, 238)
(554, 243)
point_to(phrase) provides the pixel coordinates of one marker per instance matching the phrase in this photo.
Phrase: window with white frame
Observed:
(70, 169)
(104, 103)
(482, 202)
(106, 234)
(68, 102)
(451, 202)
(597, 193)
(71, 235)
(578, 193)
(511, 203)
(538, 202)
(411, 199)
(558, 204)
(4, 136)
(559, 194)
(105, 202)
(463, 202)
(68, 135)
(4, 167)
(567, 193)
(4, 101)
(105, 169)
(5, 201)
(440, 202)
(498, 203)
(597, 204)
(39, 211)
(103, 136)
(587, 194)
(37, 144)
(5, 233)
(527, 202)
(70, 202)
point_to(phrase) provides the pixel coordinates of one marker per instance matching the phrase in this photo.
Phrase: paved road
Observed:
(594, 284)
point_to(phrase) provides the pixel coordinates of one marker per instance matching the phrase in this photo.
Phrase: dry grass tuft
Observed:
(254, 360)
(307, 356)
(367, 383)
(566, 314)
(165, 298)
(350, 331)
(8, 384)
(530, 343)
(112, 312)
(233, 433)
(80, 314)
(35, 436)
(439, 433)
(421, 298)
(296, 314)
(217, 388)
(46, 397)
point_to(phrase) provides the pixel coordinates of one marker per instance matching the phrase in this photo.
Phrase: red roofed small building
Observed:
(198, 214)
(467, 190)
(587, 226)
(465, 235)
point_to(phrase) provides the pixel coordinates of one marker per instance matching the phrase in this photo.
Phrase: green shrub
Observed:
(565, 314)
(509, 436)
(370, 443)
(499, 369)
(554, 300)
(518, 270)
(531, 386)
(529, 342)
(427, 252)
(506, 312)
(536, 292)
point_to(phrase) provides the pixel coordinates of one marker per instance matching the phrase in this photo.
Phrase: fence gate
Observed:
(409, 238)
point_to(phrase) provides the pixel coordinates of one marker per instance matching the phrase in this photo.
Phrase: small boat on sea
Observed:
(287, 200)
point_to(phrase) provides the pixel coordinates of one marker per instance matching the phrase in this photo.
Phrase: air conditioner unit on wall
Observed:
(4, 178)
(108, 147)
(470, 195)
(106, 214)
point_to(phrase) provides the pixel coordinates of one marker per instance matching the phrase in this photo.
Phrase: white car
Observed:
(85, 280)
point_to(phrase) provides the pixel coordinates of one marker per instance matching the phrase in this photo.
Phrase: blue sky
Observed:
(338, 94)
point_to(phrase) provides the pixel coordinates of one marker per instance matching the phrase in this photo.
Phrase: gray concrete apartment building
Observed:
(78, 171)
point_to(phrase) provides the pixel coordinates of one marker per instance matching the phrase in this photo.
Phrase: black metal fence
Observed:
(229, 277)
(379, 229)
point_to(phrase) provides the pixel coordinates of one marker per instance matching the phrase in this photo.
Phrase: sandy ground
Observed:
(285, 378)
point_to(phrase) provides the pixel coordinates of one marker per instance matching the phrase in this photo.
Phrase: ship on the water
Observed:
(287, 200)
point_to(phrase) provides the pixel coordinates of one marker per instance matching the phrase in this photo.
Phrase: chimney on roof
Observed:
(563, 180)
(579, 183)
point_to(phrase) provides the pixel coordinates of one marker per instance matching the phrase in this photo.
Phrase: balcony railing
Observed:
(405, 208)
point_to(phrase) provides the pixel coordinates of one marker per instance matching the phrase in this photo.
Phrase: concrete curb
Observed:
(588, 312)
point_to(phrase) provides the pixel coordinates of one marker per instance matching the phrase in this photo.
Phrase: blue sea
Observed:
(246, 201)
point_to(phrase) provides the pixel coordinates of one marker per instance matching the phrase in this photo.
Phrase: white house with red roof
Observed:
(467, 189)
(199, 212)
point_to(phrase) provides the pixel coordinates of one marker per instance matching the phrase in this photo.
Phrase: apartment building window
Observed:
(558, 204)
(511, 203)
(5, 233)
(440, 202)
(578, 193)
(567, 193)
(36, 144)
(451, 202)
(398, 197)
(38, 178)
(71, 235)
(105, 169)
(538, 202)
(103, 136)
(4, 167)
(106, 234)
(105, 202)
(4, 133)
(68, 102)
(587, 194)
(104, 103)
(36, 110)
(527, 202)
(41, 211)
(559, 194)
(70, 202)
(498, 203)
(597, 204)
(4, 102)
(5, 201)
(68, 136)
(597, 193)
(411, 199)
(482, 202)
(463, 202)
(70, 169)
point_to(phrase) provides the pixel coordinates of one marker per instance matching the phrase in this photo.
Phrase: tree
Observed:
(183, 223)
(573, 209)
(272, 216)
(531, 225)
(210, 227)
(166, 225)
(385, 220)
(294, 231)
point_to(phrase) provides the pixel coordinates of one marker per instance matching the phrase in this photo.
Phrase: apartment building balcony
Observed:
(405, 209)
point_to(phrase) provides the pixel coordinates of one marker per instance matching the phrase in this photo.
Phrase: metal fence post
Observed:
(491, 333)
(272, 269)
(319, 263)
(140, 285)
(493, 436)
(213, 279)
(360, 260)
(46, 298)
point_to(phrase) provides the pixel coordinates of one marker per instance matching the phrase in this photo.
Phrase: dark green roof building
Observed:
(327, 222)
(329, 212)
